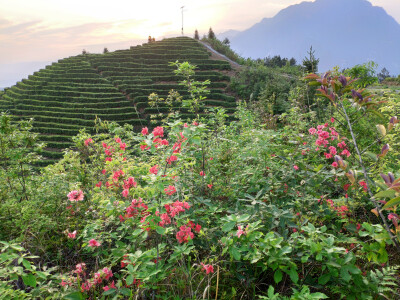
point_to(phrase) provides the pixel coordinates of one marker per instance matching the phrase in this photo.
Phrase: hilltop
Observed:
(342, 32)
(68, 95)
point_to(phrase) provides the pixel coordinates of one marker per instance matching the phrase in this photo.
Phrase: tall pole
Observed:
(182, 18)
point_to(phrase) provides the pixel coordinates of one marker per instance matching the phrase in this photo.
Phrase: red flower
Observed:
(144, 147)
(170, 190)
(202, 173)
(72, 235)
(209, 186)
(145, 131)
(75, 196)
(154, 170)
(335, 164)
(295, 167)
(88, 141)
(122, 146)
(158, 131)
(184, 234)
(208, 268)
(171, 159)
(125, 193)
(94, 243)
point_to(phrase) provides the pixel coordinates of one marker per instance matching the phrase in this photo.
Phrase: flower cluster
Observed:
(184, 233)
(208, 268)
(75, 196)
(137, 208)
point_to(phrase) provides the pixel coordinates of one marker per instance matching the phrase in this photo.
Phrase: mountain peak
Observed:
(338, 30)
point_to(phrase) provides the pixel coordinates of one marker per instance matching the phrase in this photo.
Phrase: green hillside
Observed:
(68, 95)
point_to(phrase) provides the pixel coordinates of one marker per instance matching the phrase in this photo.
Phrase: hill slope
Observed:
(343, 32)
(68, 95)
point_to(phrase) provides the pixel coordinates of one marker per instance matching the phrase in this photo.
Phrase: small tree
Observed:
(196, 35)
(105, 50)
(383, 74)
(211, 34)
(226, 41)
(310, 63)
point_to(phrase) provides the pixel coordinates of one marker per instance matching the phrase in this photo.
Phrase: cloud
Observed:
(18, 28)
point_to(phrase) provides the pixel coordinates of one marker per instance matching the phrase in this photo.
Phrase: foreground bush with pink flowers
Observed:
(201, 209)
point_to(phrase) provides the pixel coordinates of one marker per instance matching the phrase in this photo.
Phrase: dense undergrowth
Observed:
(208, 209)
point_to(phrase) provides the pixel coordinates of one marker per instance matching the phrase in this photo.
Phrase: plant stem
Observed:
(378, 209)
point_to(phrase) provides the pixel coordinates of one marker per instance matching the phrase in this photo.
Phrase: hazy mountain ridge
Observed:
(342, 32)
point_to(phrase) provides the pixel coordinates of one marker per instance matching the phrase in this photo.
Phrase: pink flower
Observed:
(86, 286)
(184, 234)
(312, 131)
(164, 142)
(158, 131)
(185, 125)
(79, 268)
(240, 231)
(197, 228)
(295, 167)
(108, 273)
(294, 229)
(63, 283)
(145, 131)
(345, 152)
(208, 268)
(72, 235)
(103, 171)
(170, 190)
(117, 140)
(94, 243)
(171, 159)
(106, 288)
(125, 193)
(209, 186)
(88, 141)
(75, 196)
(195, 123)
(335, 164)
(144, 147)
(154, 170)
(333, 120)
(202, 173)
(99, 184)
(122, 146)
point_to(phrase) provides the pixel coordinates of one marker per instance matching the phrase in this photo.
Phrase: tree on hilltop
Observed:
(211, 34)
(226, 41)
(196, 35)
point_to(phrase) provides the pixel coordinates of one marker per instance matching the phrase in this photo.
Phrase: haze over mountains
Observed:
(342, 32)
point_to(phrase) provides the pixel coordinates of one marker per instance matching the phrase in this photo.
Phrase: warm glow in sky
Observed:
(46, 30)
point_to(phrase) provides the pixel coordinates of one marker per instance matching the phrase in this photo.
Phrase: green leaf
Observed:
(74, 296)
(229, 226)
(160, 230)
(371, 155)
(235, 253)
(129, 280)
(293, 275)
(344, 273)
(391, 203)
(278, 276)
(324, 279)
(386, 194)
(29, 280)
(26, 264)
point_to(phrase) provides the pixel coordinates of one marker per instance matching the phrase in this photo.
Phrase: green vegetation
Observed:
(114, 86)
(295, 196)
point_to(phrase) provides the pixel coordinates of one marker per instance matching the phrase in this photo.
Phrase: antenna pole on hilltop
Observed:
(182, 18)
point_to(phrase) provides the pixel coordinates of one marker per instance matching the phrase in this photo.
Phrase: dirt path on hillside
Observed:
(215, 55)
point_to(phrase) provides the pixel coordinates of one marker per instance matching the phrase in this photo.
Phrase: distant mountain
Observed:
(342, 32)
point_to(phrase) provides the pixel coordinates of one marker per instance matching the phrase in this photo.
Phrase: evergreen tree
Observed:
(196, 35)
(226, 41)
(105, 50)
(310, 63)
(211, 34)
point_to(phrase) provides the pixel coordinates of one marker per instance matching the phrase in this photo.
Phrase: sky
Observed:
(34, 33)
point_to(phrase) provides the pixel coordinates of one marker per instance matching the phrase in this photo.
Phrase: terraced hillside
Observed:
(68, 95)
